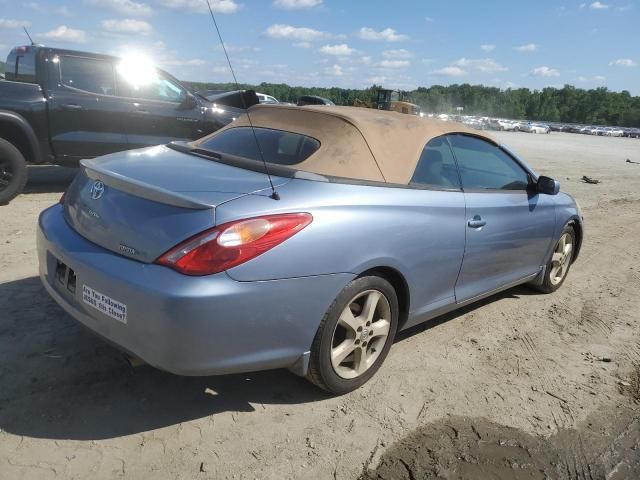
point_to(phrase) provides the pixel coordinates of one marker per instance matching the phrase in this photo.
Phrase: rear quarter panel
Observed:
(419, 233)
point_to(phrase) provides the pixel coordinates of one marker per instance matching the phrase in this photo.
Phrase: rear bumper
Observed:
(186, 325)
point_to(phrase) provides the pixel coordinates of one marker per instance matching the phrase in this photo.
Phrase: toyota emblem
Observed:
(97, 189)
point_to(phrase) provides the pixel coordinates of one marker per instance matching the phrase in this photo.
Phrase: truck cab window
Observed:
(87, 74)
(151, 86)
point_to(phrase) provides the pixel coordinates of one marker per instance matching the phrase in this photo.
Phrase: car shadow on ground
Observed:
(60, 381)
(49, 178)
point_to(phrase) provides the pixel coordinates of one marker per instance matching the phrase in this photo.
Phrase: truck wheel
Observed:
(13, 172)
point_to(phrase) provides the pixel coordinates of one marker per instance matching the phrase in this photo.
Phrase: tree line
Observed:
(568, 104)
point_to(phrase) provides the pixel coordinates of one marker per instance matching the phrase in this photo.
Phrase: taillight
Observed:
(233, 243)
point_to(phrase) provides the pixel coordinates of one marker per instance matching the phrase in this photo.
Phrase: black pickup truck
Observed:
(60, 106)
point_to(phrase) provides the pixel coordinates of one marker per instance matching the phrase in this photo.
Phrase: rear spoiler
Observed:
(140, 189)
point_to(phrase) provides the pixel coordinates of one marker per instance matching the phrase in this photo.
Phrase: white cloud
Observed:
(600, 78)
(11, 23)
(583, 5)
(379, 80)
(529, 47)
(545, 72)
(238, 48)
(127, 25)
(302, 44)
(294, 4)
(341, 50)
(127, 8)
(393, 63)
(334, 70)
(598, 6)
(486, 65)
(192, 62)
(398, 53)
(623, 62)
(388, 35)
(66, 34)
(487, 47)
(428, 19)
(366, 60)
(200, 6)
(451, 71)
(302, 34)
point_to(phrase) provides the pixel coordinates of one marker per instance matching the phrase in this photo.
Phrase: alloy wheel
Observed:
(360, 334)
(561, 259)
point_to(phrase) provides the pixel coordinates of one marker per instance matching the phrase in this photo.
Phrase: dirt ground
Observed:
(522, 385)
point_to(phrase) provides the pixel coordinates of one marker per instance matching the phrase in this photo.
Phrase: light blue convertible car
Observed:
(184, 255)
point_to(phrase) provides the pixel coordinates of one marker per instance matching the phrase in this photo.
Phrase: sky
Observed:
(352, 43)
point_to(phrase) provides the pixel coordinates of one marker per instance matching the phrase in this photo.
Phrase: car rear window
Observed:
(277, 146)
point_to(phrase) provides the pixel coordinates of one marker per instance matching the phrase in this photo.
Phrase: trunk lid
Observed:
(140, 203)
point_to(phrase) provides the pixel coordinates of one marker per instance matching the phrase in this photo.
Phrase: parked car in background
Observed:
(631, 132)
(266, 284)
(614, 131)
(239, 100)
(502, 125)
(62, 105)
(535, 128)
(264, 98)
(313, 100)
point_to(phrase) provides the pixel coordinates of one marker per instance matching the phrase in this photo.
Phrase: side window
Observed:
(87, 74)
(485, 166)
(436, 165)
(151, 85)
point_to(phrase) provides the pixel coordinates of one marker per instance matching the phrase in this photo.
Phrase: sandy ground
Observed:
(541, 375)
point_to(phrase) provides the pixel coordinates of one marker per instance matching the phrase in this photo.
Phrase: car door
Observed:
(508, 224)
(439, 247)
(85, 116)
(160, 109)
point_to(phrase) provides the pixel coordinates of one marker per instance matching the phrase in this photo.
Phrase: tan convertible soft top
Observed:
(358, 143)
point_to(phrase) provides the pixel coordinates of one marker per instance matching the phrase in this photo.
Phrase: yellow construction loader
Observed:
(396, 101)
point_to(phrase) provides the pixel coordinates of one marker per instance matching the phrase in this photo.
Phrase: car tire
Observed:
(345, 328)
(553, 279)
(13, 172)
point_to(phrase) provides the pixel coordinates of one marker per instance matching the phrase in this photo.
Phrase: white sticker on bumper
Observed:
(104, 304)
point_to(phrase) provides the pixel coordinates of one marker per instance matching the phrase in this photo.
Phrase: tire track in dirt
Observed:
(573, 456)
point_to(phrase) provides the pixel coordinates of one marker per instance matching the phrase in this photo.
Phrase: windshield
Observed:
(278, 147)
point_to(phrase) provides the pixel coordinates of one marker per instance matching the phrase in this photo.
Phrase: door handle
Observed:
(72, 107)
(477, 222)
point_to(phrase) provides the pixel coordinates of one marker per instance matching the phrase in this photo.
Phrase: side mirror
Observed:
(189, 103)
(548, 185)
